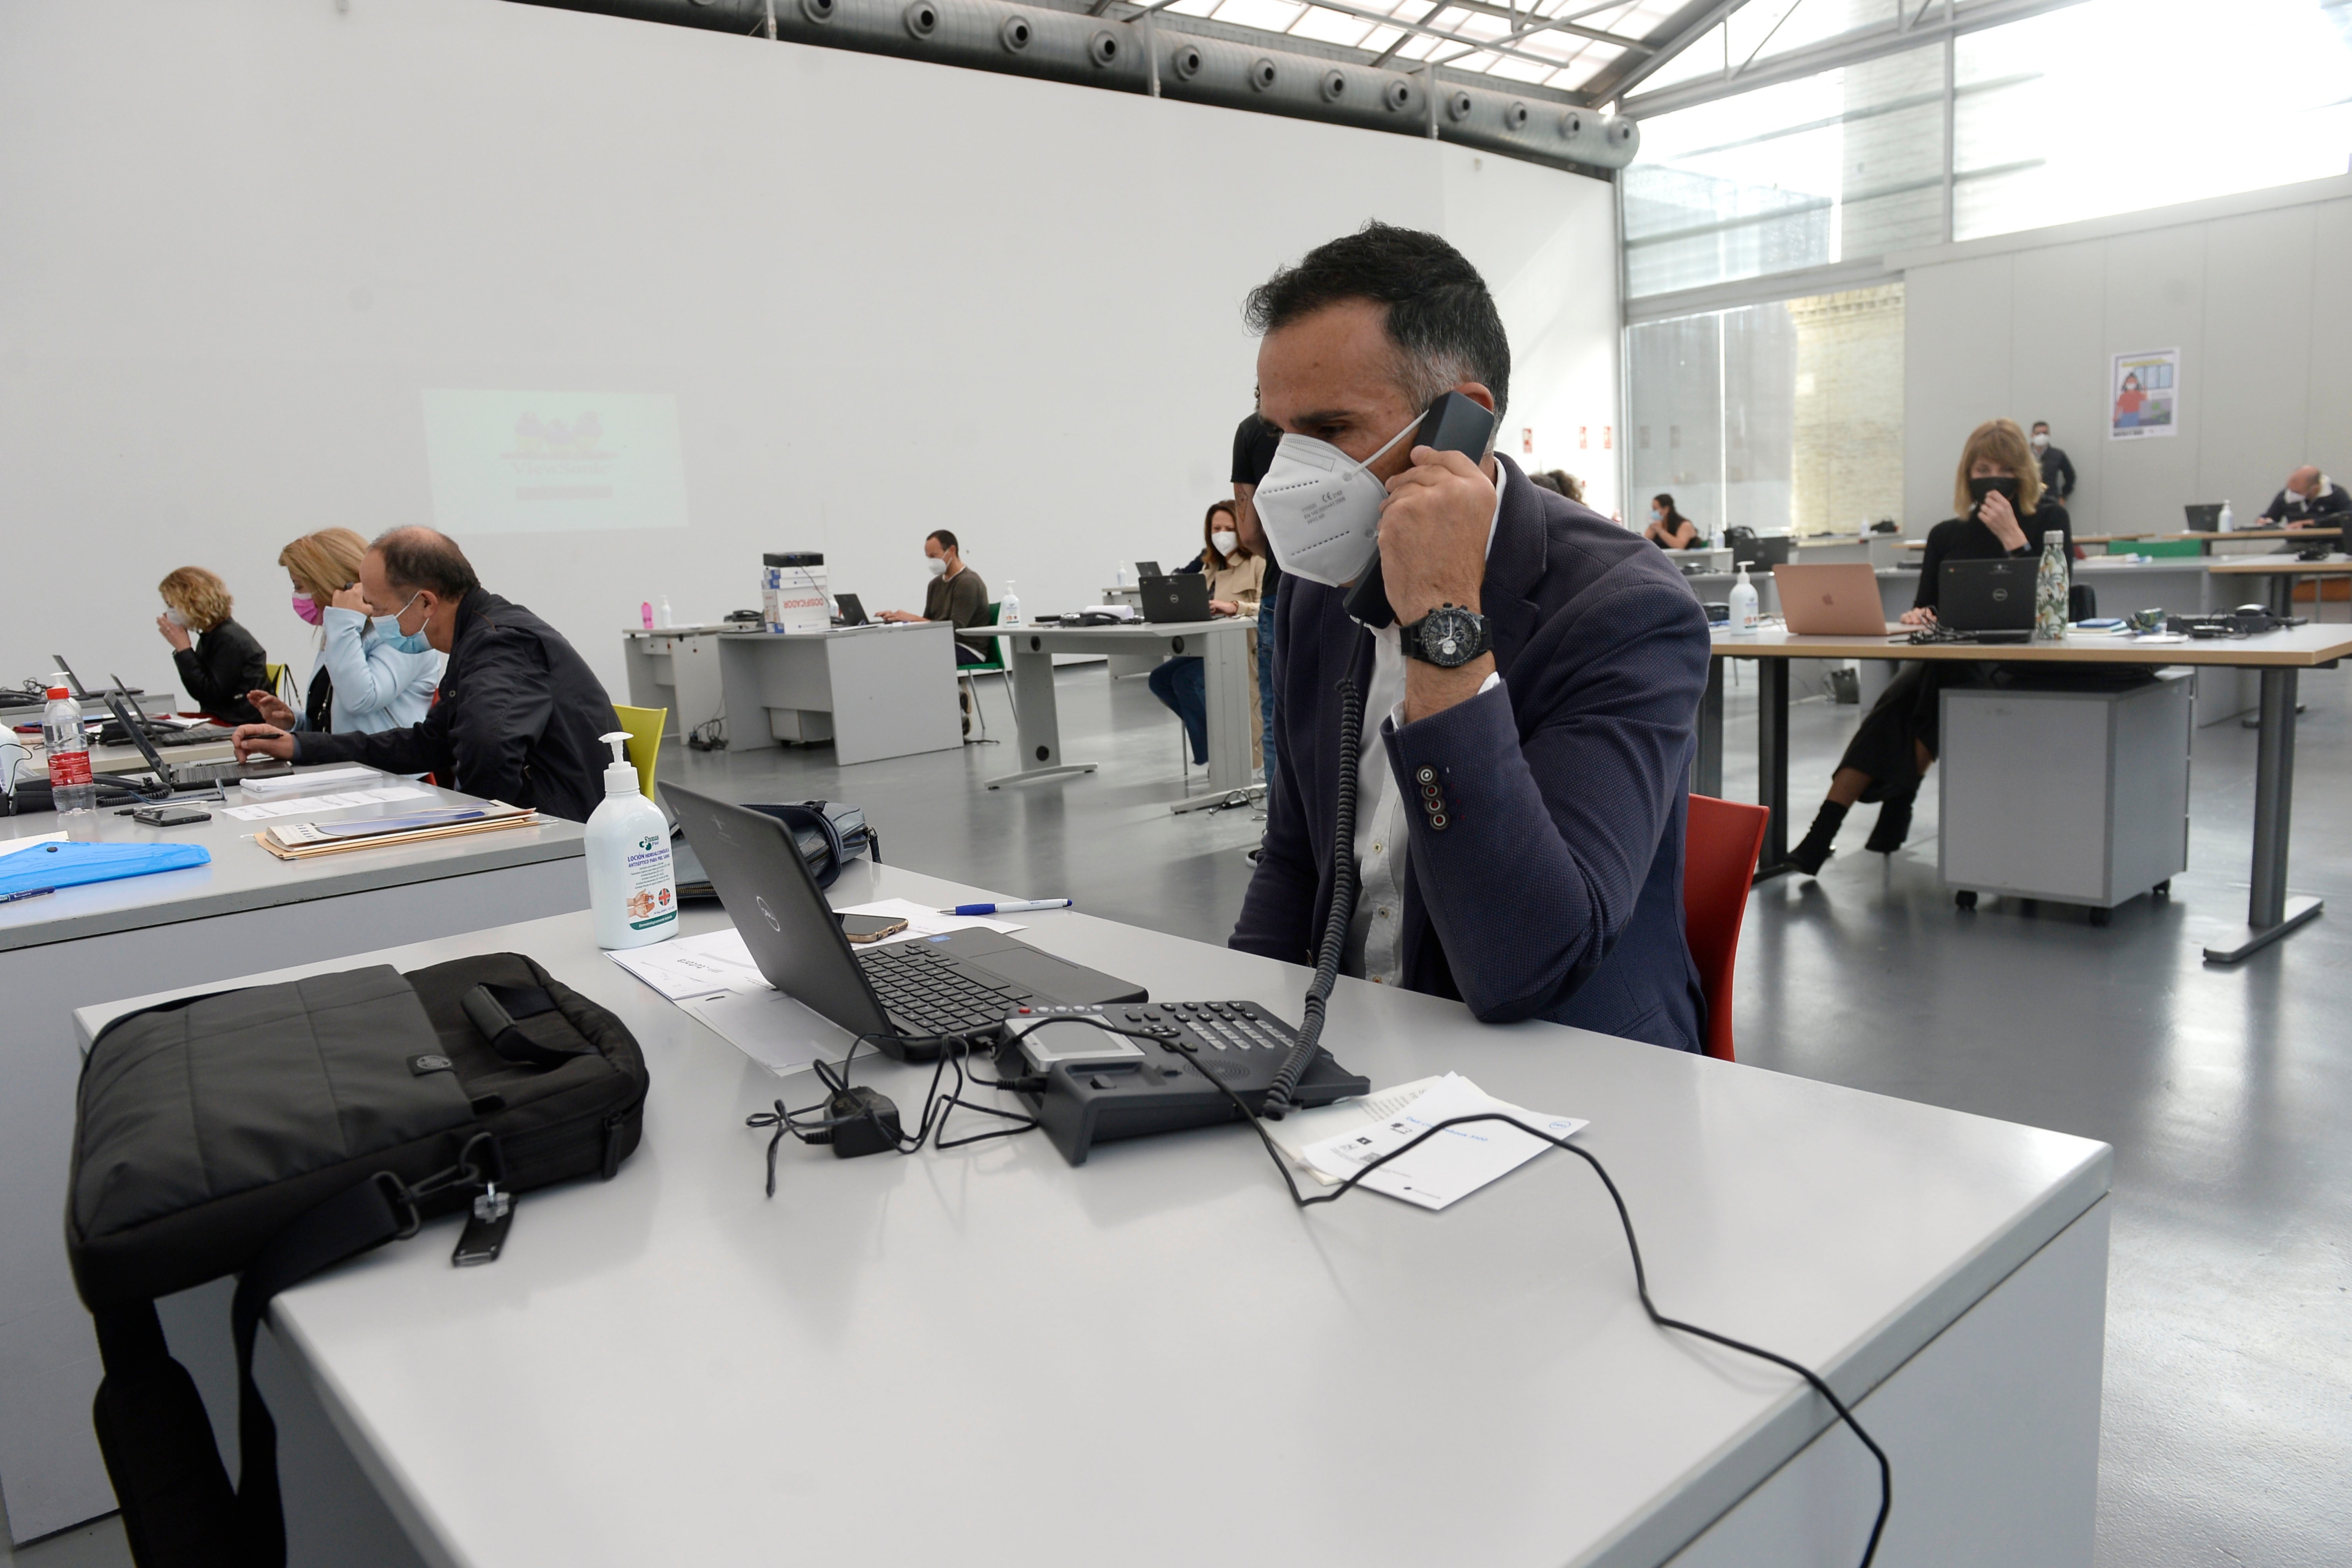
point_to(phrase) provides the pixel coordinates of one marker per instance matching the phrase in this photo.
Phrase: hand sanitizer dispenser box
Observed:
(631, 893)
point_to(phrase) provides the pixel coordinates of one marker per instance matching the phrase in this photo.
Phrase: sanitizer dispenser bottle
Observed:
(1745, 621)
(632, 894)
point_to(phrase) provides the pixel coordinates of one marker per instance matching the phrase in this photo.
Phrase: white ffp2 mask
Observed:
(1321, 509)
(1224, 541)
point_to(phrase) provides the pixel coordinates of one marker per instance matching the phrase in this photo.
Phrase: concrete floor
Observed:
(2227, 1431)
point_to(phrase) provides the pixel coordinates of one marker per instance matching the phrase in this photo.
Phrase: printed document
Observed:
(1451, 1165)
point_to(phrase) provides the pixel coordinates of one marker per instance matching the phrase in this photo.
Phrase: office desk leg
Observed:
(1707, 762)
(2271, 914)
(1772, 764)
(1037, 719)
(1230, 683)
(2283, 594)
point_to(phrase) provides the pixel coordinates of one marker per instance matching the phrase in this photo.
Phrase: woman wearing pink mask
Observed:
(361, 683)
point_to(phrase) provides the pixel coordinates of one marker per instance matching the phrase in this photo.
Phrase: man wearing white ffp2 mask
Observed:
(1530, 718)
(2057, 468)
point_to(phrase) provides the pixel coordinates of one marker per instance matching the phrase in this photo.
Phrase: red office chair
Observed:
(1719, 853)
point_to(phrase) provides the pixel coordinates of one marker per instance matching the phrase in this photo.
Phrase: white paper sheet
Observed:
(318, 803)
(923, 921)
(1451, 1165)
(284, 785)
(771, 1029)
(1345, 1118)
(704, 966)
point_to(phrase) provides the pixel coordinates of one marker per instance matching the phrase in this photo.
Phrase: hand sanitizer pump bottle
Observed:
(632, 894)
(1744, 616)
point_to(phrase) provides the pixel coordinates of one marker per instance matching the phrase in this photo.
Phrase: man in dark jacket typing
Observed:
(518, 713)
(1521, 794)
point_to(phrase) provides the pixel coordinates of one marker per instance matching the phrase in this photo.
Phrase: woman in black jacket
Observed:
(2003, 511)
(223, 661)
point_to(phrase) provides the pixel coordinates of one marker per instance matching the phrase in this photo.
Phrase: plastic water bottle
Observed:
(2050, 589)
(2229, 520)
(663, 619)
(69, 781)
(1008, 608)
(1744, 616)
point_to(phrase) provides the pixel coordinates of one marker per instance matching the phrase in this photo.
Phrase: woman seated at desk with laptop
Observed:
(1669, 529)
(1236, 578)
(2003, 513)
(363, 681)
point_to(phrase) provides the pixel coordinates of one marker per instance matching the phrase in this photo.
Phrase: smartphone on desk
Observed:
(170, 815)
(863, 929)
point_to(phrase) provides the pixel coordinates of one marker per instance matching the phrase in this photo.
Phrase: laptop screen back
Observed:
(765, 887)
(1184, 597)
(853, 609)
(1987, 595)
(1147, 569)
(2204, 519)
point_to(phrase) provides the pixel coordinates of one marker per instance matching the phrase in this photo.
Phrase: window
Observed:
(1848, 163)
(1778, 417)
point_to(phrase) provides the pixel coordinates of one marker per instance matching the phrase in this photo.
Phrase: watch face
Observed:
(1449, 637)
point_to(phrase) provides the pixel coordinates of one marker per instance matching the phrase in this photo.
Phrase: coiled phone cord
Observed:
(1343, 907)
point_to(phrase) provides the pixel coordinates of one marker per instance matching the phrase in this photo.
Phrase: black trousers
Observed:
(1907, 714)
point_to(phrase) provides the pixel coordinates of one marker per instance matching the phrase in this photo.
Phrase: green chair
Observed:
(964, 673)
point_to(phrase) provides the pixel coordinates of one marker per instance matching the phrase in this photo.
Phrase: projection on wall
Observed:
(536, 462)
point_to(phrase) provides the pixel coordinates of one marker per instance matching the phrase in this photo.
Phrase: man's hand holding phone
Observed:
(1434, 531)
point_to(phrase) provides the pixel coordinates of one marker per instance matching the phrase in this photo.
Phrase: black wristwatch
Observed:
(1449, 637)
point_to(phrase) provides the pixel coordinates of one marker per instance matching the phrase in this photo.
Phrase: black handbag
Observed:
(276, 1131)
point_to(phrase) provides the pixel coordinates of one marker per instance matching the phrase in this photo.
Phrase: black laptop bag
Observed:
(275, 1131)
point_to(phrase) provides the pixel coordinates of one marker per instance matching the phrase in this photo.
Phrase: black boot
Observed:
(1815, 849)
(1893, 827)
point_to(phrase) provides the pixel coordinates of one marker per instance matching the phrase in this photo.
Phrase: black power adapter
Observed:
(864, 1121)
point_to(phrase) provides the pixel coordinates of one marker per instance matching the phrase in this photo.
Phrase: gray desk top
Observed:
(1135, 631)
(243, 876)
(2299, 647)
(879, 629)
(985, 1356)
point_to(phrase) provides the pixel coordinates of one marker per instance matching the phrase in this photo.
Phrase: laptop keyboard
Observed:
(927, 992)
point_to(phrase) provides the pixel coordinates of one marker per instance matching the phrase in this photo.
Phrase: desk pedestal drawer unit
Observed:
(677, 670)
(2077, 797)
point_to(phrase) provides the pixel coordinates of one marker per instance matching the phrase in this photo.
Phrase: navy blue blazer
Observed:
(1555, 888)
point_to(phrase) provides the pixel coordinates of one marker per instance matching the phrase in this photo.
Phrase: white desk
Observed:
(1231, 689)
(182, 927)
(989, 1357)
(874, 691)
(677, 668)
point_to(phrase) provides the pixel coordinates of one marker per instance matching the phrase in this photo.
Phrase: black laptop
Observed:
(850, 611)
(1144, 568)
(182, 775)
(1990, 601)
(2204, 519)
(963, 983)
(1183, 597)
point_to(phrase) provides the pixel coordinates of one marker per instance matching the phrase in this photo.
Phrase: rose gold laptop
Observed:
(1831, 601)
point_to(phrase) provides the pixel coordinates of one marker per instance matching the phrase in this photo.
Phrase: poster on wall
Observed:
(2143, 394)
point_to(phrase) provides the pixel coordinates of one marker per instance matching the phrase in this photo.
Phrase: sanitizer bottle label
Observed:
(652, 895)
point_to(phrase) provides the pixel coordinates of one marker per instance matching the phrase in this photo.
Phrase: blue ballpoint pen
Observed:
(1011, 907)
(25, 893)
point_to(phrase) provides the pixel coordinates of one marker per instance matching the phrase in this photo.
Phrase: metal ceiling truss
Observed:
(1144, 49)
(1919, 23)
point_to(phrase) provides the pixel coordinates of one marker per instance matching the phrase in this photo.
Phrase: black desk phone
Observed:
(1452, 424)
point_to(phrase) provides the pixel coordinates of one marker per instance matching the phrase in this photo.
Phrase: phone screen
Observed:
(870, 928)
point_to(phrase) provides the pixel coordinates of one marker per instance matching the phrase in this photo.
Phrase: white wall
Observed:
(2251, 288)
(241, 237)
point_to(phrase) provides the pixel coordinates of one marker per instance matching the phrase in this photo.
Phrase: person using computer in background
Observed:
(956, 594)
(519, 714)
(2057, 472)
(221, 662)
(1235, 576)
(2309, 499)
(1255, 442)
(2003, 511)
(361, 683)
(1522, 788)
(1669, 529)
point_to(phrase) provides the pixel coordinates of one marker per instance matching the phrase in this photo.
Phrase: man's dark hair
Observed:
(1441, 317)
(2040, 425)
(943, 538)
(419, 558)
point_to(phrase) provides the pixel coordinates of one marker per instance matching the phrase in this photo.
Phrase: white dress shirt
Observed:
(1376, 936)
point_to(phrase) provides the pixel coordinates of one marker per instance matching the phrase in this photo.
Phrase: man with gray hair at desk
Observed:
(2309, 499)
(517, 712)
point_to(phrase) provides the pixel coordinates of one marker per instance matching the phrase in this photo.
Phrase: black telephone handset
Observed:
(1453, 424)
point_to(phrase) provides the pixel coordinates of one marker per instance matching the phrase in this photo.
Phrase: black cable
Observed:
(1343, 908)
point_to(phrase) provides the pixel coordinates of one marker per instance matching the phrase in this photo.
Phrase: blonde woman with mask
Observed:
(361, 683)
(219, 661)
